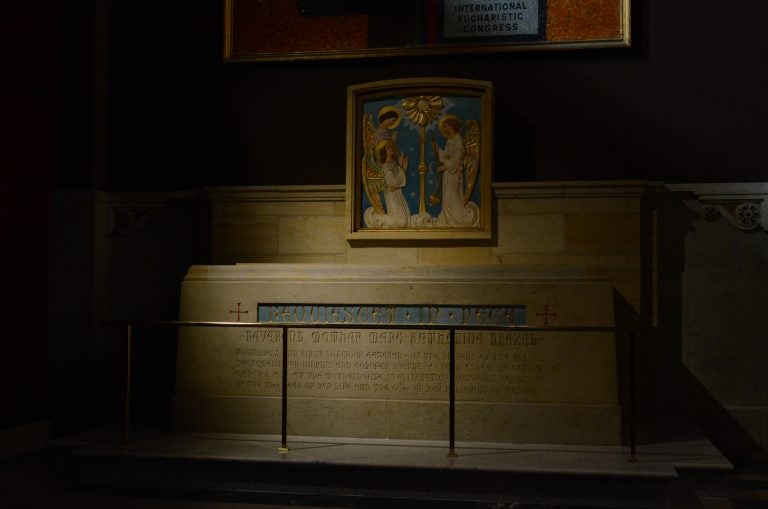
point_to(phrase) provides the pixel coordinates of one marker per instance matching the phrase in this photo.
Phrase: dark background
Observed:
(686, 103)
(133, 95)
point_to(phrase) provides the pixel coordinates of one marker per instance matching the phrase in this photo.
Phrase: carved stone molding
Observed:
(133, 213)
(743, 205)
(131, 220)
(744, 216)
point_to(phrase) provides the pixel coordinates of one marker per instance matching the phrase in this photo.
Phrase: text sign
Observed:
(490, 18)
(392, 314)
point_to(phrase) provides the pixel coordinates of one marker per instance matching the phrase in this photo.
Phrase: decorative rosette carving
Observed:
(748, 215)
(711, 213)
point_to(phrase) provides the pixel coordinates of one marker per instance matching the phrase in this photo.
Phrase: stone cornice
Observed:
(276, 193)
(356, 273)
(602, 188)
(566, 189)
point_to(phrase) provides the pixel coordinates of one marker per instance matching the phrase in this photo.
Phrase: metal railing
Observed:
(630, 331)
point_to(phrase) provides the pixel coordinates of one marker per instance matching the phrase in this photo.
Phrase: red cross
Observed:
(238, 311)
(546, 314)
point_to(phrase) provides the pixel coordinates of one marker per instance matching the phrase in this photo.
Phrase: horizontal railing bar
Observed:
(450, 328)
(423, 326)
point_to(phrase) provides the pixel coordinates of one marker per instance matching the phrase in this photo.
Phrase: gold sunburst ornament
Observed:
(422, 110)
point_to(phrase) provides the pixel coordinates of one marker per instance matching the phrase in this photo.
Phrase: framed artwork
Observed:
(257, 30)
(419, 159)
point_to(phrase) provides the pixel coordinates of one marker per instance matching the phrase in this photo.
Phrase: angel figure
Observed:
(459, 164)
(389, 120)
(384, 171)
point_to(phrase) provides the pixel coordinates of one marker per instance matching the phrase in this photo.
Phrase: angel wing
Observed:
(373, 176)
(369, 133)
(471, 160)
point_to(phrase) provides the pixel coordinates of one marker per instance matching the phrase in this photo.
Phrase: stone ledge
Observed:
(355, 272)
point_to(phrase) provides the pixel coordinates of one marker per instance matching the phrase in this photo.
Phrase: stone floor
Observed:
(658, 459)
(109, 474)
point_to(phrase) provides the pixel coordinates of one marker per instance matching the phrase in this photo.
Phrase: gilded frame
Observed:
(261, 31)
(419, 159)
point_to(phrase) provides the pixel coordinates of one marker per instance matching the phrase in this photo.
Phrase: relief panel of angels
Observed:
(421, 162)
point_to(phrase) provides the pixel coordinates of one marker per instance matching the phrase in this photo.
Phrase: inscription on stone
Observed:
(392, 314)
(391, 364)
(257, 363)
(500, 366)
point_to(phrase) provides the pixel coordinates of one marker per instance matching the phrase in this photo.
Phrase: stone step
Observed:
(365, 474)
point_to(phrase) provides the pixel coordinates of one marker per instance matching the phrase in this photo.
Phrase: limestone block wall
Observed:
(548, 387)
(724, 323)
(600, 225)
(113, 257)
(723, 301)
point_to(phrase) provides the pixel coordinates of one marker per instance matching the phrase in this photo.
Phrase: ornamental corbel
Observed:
(743, 205)
(745, 216)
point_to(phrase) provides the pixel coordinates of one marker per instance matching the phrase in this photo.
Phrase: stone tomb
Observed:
(534, 387)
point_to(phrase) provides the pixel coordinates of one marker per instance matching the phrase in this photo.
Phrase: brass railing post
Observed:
(452, 396)
(284, 419)
(127, 393)
(632, 389)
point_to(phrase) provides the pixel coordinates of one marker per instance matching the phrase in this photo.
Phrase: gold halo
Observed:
(383, 143)
(441, 123)
(387, 109)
